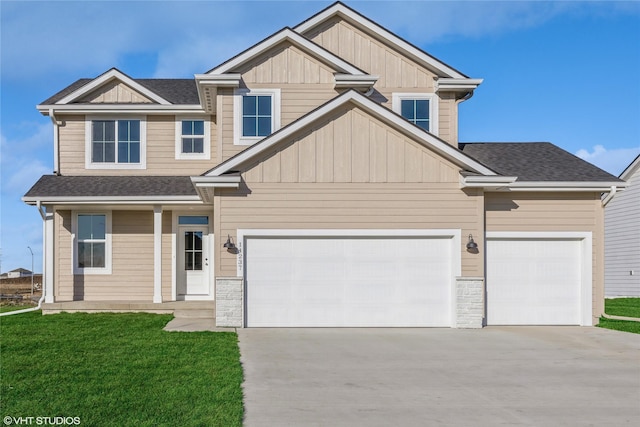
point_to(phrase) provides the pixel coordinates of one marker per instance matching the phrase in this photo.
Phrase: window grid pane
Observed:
(91, 238)
(256, 115)
(416, 111)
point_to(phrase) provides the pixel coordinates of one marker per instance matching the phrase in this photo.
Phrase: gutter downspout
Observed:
(41, 300)
(609, 196)
(56, 151)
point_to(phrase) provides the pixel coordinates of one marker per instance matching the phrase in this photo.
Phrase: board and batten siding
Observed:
(115, 92)
(622, 241)
(562, 211)
(351, 172)
(132, 260)
(161, 143)
(304, 82)
(397, 73)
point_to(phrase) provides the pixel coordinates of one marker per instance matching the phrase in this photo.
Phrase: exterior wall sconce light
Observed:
(471, 245)
(229, 245)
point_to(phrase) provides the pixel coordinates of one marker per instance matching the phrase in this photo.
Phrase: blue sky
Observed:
(565, 72)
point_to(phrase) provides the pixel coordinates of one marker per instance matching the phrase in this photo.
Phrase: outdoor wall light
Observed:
(471, 245)
(229, 245)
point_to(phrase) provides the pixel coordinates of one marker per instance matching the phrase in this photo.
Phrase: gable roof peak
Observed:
(356, 18)
(106, 77)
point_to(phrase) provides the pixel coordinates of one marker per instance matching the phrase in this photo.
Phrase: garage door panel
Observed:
(348, 281)
(533, 282)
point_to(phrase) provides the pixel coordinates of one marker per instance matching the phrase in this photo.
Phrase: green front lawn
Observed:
(118, 370)
(629, 307)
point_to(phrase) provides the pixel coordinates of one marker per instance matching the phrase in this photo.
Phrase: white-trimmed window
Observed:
(193, 138)
(256, 114)
(91, 237)
(421, 109)
(115, 143)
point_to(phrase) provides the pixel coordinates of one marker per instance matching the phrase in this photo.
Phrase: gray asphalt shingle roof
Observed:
(176, 91)
(534, 161)
(111, 186)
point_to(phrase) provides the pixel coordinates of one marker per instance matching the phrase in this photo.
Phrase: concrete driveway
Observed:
(497, 376)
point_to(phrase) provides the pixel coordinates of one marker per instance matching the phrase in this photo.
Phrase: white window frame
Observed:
(238, 139)
(74, 244)
(206, 146)
(88, 147)
(434, 124)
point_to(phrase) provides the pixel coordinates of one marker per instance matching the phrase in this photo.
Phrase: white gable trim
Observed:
(296, 39)
(113, 74)
(631, 169)
(422, 57)
(441, 147)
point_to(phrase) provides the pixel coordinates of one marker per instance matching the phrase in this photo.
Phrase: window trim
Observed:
(238, 139)
(88, 144)
(397, 98)
(206, 146)
(107, 269)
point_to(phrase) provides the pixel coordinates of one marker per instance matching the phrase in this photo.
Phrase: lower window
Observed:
(92, 251)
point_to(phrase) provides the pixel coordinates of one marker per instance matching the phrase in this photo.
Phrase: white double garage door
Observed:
(403, 278)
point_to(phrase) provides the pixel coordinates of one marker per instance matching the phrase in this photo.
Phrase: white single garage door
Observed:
(535, 281)
(348, 281)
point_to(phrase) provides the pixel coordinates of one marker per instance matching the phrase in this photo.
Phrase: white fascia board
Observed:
(457, 85)
(82, 200)
(564, 186)
(108, 76)
(362, 101)
(227, 181)
(287, 34)
(121, 108)
(410, 50)
(225, 80)
(350, 80)
(487, 181)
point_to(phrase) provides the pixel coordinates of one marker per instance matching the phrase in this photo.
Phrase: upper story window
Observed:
(193, 138)
(115, 143)
(92, 243)
(256, 114)
(419, 108)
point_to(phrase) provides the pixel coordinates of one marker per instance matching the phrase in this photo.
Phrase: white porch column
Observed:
(157, 253)
(47, 254)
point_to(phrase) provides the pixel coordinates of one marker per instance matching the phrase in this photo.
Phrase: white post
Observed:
(157, 254)
(47, 255)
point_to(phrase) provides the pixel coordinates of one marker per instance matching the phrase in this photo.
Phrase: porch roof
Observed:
(55, 187)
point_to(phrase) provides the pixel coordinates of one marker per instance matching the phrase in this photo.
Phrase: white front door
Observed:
(193, 262)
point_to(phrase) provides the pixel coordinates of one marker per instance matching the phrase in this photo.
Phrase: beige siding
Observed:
(161, 146)
(132, 261)
(115, 93)
(353, 206)
(350, 146)
(286, 63)
(396, 72)
(553, 212)
(304, 83)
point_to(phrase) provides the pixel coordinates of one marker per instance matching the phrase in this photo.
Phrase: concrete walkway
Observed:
(497, 376)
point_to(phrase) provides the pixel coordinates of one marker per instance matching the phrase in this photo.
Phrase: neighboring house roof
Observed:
(52, 187)
(535, 161)
(633, 167)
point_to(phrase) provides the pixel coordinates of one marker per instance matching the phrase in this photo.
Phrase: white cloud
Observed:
(613, 161)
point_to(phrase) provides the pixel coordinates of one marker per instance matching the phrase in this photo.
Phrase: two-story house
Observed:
(315, 179)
